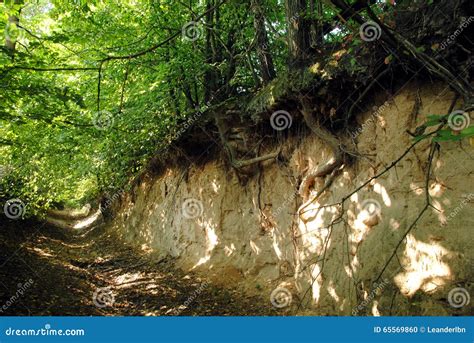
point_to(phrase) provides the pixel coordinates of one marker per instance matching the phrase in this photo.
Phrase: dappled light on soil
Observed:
(425, 267)
(135, 283)
(214, 157)
(211, 242)
(84, 223)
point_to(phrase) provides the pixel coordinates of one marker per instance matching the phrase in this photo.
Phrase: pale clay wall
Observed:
(231, 244)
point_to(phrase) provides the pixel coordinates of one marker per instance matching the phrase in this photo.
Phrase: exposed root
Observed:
(458, 84)
(329, 167)
(326, 186)
(224, 135)
(341, 210)
(245, 163)
(433, 148)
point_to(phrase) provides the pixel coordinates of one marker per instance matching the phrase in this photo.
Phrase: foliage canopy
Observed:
(90, 90)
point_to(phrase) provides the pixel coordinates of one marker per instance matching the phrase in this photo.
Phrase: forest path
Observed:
(93, 273)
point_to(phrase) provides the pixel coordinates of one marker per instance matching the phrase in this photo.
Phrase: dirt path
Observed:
(48, 271)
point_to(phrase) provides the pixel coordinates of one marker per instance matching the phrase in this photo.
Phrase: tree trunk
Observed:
(209, 74)
(317, 27)
(267, 68)
(9, 42)
(187, 91)
(299, 29)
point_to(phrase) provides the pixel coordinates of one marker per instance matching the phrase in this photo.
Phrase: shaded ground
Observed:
(67, 269)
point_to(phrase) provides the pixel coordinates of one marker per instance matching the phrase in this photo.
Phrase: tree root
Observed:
(329, 167)
(459, 84)
(428, 204)
(224, 132)
(245, 163)
(326, 186)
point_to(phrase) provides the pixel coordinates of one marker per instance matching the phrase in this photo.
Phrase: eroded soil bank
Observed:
(198, 241)
(365, 258)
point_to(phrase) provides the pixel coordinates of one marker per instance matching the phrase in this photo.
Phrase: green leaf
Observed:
(435, 117)
(420, 138)
(452, 138)
(468, 132)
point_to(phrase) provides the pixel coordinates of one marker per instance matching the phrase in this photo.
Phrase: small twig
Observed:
(420, 215)
(328, 184)
(162, 43)
(323, 260)
(393, 164)
(46, 69)
(122, 93)
(98, 86)
(362, 95)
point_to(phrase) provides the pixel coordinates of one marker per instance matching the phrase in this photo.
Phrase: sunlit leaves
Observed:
(46, 117)
(446, 128)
